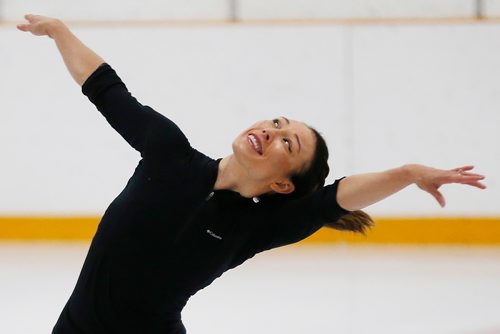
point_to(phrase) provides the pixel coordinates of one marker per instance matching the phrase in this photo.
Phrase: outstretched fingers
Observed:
(38, 25)
(472, 181)
(22, 27)
(463, 169)
(432, 179)
(461, 175)
(26, 26)
(32, 18)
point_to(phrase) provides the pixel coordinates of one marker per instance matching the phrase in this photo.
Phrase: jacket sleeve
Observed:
(296, 220)
(146, 130)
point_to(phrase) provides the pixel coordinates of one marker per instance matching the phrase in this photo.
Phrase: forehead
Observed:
(296, 124)
(302, 129)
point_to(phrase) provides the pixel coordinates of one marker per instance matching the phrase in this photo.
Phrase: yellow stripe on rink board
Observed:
(473, 230)
(48, 228)
(470, 231)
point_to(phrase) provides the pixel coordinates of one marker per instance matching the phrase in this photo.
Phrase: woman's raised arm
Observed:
(144, 129)
(79, 59)
(359, 191)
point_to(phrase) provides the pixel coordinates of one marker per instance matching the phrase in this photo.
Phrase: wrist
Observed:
(411, 173)
(55, 28)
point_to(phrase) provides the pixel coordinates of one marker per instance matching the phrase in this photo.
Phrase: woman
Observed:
(183, 218)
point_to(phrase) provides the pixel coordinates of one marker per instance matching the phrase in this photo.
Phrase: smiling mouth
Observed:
(254, 140)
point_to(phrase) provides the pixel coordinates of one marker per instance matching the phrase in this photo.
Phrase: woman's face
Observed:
(271, 151)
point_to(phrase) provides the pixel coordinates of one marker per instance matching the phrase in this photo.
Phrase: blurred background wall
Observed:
(251, 9)
(387, 82)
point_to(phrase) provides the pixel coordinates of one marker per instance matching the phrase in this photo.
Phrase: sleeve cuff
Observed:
(100, 80)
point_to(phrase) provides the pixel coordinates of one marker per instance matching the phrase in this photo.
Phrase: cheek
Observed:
(238, 148)
(280, 158)
(276, 163)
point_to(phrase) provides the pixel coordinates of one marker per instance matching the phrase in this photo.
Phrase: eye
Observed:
(288, 143)
(276, 123)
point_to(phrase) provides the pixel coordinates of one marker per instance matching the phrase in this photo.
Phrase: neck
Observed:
(232, 177)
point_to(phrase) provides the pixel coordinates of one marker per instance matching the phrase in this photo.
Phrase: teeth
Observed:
(255, 143)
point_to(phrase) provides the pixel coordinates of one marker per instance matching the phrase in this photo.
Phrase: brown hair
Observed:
(313, 178)
(356, 221)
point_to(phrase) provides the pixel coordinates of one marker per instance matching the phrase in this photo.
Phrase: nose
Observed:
(266, 135)
(270, 133)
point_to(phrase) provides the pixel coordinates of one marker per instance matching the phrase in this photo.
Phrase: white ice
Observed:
(306, 289)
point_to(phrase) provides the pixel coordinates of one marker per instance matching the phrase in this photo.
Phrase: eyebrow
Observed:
(298, 141)
(296, 136)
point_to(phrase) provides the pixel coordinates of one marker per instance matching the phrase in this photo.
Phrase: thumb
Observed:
(22, 27)
(438, 196)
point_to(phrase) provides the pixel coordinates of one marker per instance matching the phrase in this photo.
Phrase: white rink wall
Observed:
(383, 95)
(118, 9)
(247, 9)
(321, 9)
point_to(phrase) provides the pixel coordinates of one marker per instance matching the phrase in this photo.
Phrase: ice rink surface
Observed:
(306, 289)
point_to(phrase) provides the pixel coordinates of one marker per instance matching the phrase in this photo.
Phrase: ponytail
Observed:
(356, 221)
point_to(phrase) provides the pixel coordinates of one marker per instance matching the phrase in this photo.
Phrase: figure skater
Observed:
(184, 218)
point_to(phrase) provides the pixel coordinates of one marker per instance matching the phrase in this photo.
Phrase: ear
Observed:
(283, 187)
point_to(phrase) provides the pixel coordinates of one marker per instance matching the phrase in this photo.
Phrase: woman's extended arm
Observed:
(359, 191)
(79, 59)
(149, 132)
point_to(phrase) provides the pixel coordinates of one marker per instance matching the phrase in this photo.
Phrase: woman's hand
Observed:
(40, 25)
(430, 179)
(79, 59)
